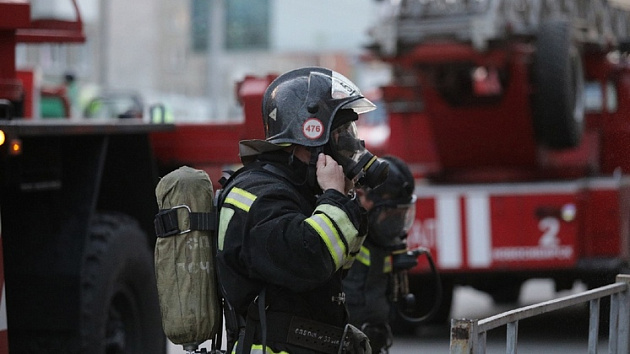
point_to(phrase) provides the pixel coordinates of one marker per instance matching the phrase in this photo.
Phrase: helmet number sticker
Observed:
(313, 128)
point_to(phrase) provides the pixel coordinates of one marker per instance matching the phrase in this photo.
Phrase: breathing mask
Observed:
(359, 164)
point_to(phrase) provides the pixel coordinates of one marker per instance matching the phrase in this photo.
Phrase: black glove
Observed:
(404, 259)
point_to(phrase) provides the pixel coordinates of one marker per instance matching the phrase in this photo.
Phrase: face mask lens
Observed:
(410, 214)
(344, 140)
(386, 226)
(392, 221)
(359, 165)
(346, 147)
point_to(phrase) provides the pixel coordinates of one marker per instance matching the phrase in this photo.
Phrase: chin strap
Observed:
(311, 174)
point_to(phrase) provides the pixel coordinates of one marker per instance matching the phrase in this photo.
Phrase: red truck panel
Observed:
(522, 226)
(213, 147)
(203, 146)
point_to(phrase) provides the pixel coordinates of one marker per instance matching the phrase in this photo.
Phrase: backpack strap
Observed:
(256, 316)
(166, 223)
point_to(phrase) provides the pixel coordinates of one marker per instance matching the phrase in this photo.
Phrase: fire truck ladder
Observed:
(406, 23)
(469, 336)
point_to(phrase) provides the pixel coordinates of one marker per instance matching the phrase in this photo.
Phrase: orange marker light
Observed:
(2, 138)
(16, 147)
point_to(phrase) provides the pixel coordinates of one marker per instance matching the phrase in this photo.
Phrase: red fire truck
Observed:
(77, 200)
(77, 206)
(515, 116)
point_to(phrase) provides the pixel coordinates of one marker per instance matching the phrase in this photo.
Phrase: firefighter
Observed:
(289, 222)
(368, 285)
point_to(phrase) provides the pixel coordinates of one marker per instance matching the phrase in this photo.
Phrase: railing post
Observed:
(593, 326)
(512, 337)
(623, 337)
(463, 336)
(613, 328)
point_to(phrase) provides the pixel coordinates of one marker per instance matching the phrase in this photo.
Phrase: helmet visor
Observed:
(362, 105)
(342, 88)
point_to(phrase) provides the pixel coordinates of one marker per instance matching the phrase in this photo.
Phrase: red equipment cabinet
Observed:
(213, 147)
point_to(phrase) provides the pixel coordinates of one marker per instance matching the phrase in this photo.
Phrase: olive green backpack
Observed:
(185, 259)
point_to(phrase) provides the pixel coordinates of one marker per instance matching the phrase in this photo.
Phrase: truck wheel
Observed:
(119, 304)
(507, 293)
(558, 102)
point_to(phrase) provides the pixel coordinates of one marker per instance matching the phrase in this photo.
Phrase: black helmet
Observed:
(299, 106)
(399, 185)
(303, 107)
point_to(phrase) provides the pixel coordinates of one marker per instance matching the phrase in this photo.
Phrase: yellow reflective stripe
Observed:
(257, 349)
(367, 165)
(387, 264)
(327, 231)
(349, 232)
(225, 216)
(240, 198)
(364, 256)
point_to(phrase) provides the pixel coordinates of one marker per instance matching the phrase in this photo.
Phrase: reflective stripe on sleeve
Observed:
(225, 216)
(349, 232)
(327, 231)
(364, 256)
(387, 264)
(240, 198)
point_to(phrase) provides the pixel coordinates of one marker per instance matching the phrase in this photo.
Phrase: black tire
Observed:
(119, 303)
(558, 102)
(507, 293)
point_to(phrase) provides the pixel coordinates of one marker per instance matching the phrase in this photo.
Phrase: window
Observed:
(246, 24)
(200, 21)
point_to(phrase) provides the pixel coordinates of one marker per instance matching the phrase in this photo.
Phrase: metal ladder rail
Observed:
(469, 336)
(412, 21)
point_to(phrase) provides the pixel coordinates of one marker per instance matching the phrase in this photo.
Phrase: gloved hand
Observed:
(355, 341)
(404, 259)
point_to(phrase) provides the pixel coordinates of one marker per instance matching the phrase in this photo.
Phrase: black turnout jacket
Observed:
(275, 233)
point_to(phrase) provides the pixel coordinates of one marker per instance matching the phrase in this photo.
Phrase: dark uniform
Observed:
(367, 286)
(291, 243)
(283, 243)
(369, 283)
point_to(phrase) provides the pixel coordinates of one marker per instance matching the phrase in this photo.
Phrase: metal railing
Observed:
(469, 336)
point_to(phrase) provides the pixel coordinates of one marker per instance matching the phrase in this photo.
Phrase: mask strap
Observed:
(311, 174)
